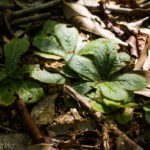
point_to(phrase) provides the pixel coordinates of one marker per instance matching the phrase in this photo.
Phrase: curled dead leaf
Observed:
(81, 17)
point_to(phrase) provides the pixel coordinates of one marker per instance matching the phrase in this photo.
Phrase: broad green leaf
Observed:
(122, 118)
(47, 56)
(13, 51)
(99, 45)
(47, 45)
(3, 74)
(83, 66)
(121, 60)
(115, 105)
(99, 107)
(68, 36)
(7, 95)
(130, 81)
(82, 87)
(104, 58)
(147, 116)
(115, 92)
(29, 92)
(80, 44)
(68, 72)
(43, 75)
(49, 26)
(146, 108)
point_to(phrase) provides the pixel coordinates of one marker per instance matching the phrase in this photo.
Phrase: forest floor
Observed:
(62, 119)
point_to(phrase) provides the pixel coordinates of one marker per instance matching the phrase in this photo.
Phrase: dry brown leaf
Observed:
(81, 17)
(132, 42)
(144, 92)
(40, 147)
(134, 26)
(130, 3)
(89, 3)
(143, 56)
(44, 111)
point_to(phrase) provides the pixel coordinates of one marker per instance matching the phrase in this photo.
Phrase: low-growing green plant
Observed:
(13, 84)
(106, 89)
(97, 66)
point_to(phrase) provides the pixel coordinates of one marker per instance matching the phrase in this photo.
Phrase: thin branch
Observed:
(31, 18)
(36, 8)
(138, 12)
(99, 117)
(7, 6)
(28, 121)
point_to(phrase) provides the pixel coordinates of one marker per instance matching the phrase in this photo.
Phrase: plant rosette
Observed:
(99, 65)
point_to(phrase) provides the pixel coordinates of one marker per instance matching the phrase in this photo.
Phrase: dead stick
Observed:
(99, 116)
(31, 18)
(36, 8)
(138, 12)
(7, 6)
(28, 121)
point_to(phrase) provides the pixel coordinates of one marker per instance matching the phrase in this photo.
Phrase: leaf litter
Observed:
(37, 72)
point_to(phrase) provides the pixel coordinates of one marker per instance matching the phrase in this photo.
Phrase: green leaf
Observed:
(146, 108)
(48, 45)
(3, 74)
(48, 27)
(68, 36)
(82, 66)
(147, 116)
(13, 50)
(130, 81)
(115, 105)
(43, 75)
(80, 44)
(122, 118)
(82, 87)
(99, 107)
(68, 72)
(29, 92)
(104, 58)
(115, 92)
(121, 60)
(6, 95)
(47, 56)
(99, 45)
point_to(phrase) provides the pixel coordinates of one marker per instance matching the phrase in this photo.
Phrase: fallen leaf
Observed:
(15, 141)
(133, 47)
(71, 122)
(130, 3)
(89, 3)
(143, 56)
(44, 111)
(40, 147)
(134, 26)
(81, 17)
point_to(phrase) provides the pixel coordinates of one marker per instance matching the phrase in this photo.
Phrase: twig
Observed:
(21, 5)
(31, 18)
(6, 19)
(36, 8)
(105, 133)
(7, 129)
(99, 116)
(28, 121)
(138, 12)
(7, 6)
